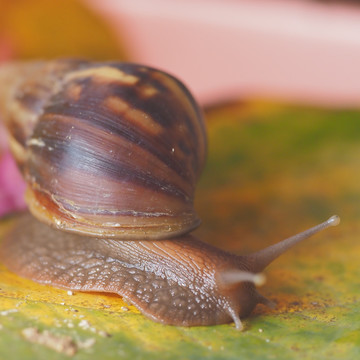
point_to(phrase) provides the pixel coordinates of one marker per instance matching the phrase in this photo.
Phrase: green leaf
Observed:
(273, 170)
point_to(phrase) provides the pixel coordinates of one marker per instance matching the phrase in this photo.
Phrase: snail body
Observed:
(111, 153)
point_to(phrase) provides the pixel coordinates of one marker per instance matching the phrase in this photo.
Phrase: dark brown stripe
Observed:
(90, 111)
(163, 107)
(90, 156)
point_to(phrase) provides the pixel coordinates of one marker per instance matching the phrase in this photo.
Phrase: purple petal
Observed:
(12, 186)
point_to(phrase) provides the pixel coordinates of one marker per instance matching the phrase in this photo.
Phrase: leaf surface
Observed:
(273, 170)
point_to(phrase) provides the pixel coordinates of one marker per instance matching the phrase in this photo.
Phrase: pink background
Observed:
(11, 184)
(302, 51)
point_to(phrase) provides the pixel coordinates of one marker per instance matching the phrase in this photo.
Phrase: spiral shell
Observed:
(111, 149)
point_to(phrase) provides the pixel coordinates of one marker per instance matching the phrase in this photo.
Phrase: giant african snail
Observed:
(111, 153)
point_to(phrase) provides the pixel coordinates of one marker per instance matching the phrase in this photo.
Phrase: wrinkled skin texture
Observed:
(181, 281)
(171, 281)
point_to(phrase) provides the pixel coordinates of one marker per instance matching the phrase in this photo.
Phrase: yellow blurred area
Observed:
(56, 28)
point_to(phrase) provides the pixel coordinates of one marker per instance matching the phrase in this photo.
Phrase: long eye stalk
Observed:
(261, 259)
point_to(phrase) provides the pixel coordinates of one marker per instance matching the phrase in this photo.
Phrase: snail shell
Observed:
(111, 152)
(111, 149)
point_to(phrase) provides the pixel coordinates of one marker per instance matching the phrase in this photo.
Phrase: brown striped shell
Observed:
(111, 149)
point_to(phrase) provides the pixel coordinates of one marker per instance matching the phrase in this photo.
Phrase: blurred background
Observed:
(279, 82)
(305, 52)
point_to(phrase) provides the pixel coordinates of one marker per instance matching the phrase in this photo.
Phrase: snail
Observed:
(111, 153)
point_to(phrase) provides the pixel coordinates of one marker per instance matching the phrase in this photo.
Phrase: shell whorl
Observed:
(111, 149)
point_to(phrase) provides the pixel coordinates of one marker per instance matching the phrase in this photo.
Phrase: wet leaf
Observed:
(273, 170)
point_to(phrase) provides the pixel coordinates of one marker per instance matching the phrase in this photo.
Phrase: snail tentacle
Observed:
(262, 258)
(236, 276)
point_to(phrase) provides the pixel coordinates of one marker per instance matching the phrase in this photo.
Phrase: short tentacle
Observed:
(236, 318)
(235, 276)
(263, 300)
